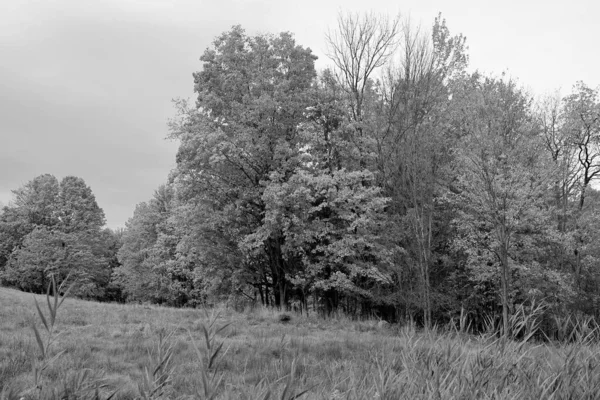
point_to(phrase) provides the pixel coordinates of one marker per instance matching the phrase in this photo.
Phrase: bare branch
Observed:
(359, 45)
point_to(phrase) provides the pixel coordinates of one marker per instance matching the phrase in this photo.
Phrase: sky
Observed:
(86, 86)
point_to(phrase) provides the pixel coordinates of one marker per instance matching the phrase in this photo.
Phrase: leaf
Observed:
(37, 306)
(66, 294)
(198, 352)
(54, 310)
(48, 302)
(206, 336)
(54, 358)
(164, 362)
(223, 327)
(39, 340)
(302, 393)
(267, 395)
(214, 355)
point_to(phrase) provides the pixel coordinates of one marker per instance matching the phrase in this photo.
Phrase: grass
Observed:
(134, 351)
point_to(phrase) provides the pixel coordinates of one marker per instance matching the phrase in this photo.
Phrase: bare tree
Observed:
(581, 130)
(359, 45)
(582, 110)
(551, 118)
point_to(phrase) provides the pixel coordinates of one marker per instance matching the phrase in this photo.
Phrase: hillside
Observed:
(331, 359)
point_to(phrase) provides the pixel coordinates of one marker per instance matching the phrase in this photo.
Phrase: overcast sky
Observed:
(86, 86)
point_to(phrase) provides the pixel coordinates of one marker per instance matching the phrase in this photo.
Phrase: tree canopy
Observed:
(54, 228)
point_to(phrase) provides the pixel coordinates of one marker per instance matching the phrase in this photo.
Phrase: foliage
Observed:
(252, 93)
(54, 229)
(395, 183)
(331, 227)
(503, 180)
(47, 253)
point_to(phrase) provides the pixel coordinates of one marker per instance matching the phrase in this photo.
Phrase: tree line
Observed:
(397, 183)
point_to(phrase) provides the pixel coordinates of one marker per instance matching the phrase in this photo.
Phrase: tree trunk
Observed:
(422, 227)
(504, 279)
(277, 272)
(262, 295)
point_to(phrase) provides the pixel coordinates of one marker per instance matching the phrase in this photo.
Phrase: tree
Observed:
(331, 228)
(32, 263)
(54, 228)
(47, 253)
(413, 141)
(136, 275)
(37, 201)
(503, 179)
(252, 93)
(582, 109)
(13, 229)
(150, 264)
(112, 241)
(77, 209)
(33, 205)
(360, 45)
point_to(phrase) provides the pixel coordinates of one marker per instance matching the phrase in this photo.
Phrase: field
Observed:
(135, 351)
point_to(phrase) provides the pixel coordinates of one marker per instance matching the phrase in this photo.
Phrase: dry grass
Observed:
(139, 351)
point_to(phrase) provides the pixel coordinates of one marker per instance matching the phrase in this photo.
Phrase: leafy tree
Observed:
(136, 275)
(34, 205)
(13, 229)
(331, 231)
(54, 228)
(77, 209)
(36, 201)
(503, 179)
(149, 265)
(412, 152)
(47, 253)
(31, 264)
(112, 240)
(252, 93)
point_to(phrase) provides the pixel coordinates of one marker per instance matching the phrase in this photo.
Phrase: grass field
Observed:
(133, 351)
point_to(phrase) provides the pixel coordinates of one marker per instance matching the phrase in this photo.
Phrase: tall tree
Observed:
(503, 178)
(34, 205)
(582, 109)
(13, 229)
(54, 228)
(252, 94)
(77, 209)
(413, 142)
(358, 46)
(37, 201)
(154, 262)
(581, 129)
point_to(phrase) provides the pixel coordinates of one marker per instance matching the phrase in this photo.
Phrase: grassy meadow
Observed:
(135, 351)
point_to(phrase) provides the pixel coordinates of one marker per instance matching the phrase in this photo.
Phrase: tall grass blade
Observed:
(206, 336)
(267, 395)
(66, 294)
(163, 363)
(221, 328)
(39, 340)
(39, 310)
(302, 393)
(56, 295)
(198, 352)
(214, 355)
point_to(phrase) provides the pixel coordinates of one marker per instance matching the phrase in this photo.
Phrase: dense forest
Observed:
(400, 182)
